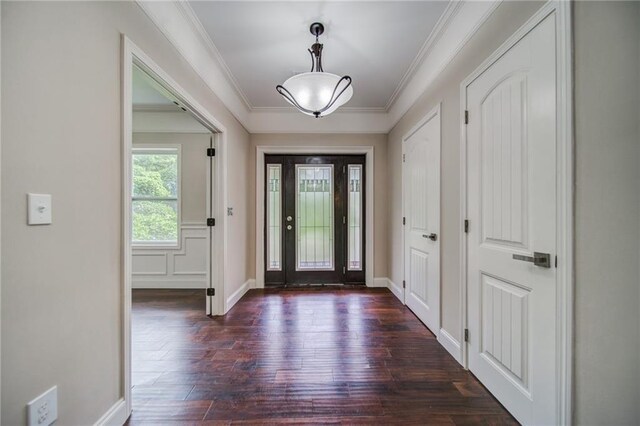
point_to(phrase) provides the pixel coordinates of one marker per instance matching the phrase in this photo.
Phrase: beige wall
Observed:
(507, 18)
(193, 169)
(607, 135)
(61, 284)
(379, 143)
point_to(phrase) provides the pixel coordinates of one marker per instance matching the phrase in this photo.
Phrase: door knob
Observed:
(432, 237)
(539, 259)
(289, 227)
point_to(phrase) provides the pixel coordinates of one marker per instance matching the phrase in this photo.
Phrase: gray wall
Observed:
(607, 146)
(61, 284)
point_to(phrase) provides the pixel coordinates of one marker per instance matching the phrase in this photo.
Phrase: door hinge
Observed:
(466, 226)
(211, 291)
(211, 152)
(344, 169)
(211, 222)
(466, 116)
(344, 220)
(344, 270)
(556, 261)
(404, 220)
(466, 334)
(404, 158)
(404, 284)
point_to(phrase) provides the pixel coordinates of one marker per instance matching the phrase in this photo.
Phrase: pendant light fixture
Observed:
(316, 93)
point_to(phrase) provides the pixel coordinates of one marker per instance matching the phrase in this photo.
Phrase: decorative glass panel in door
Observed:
(274, 217)
(354, 222)
(314, 217)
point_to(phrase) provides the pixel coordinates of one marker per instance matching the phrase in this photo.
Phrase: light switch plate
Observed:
(43, 410)
(39, 209)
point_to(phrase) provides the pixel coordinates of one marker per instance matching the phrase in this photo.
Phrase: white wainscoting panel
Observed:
(181, 267)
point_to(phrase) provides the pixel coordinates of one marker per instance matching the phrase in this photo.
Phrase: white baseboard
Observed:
(168, 284)
(450, 344)
(237, 295)
(380, 282)
(116, 415)
(396, 290)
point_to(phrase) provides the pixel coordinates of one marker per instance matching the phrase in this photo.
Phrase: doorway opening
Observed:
(173, 192)
(314, 219)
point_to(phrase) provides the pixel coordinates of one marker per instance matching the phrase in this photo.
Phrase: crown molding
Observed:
(443, 21)
(463, 22)
(197, 26)
(180, 25)
(177, 27)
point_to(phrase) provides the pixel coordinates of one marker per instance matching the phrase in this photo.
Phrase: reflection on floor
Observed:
(319, 355)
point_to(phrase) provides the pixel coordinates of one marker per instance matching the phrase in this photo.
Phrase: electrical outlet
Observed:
(43, 410)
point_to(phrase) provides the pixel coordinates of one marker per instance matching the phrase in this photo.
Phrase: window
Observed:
(274, 212)
(155, 201)
(355, 218)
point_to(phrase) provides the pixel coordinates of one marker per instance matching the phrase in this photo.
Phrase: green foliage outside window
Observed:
(155, 196)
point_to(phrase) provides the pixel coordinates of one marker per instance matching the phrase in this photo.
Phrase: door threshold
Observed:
(315, 285)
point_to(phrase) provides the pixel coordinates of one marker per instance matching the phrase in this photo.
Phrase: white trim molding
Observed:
(397, 290)
(261, 151)
(450, 344)
(564, 195)
(458, 23)
(116, 415)
(380, 282)
(237, 295)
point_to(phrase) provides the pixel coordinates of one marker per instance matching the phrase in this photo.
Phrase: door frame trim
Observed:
(564, 197)
(433, 113)
(262, 150)
(132, 54)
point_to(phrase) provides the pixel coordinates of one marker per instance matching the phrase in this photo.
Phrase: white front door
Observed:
(422, 222)
(511, 199)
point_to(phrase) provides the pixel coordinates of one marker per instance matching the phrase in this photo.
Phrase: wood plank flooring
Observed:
(298, 356)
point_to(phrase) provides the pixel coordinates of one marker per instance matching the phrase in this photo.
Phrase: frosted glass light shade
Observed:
(314, 90)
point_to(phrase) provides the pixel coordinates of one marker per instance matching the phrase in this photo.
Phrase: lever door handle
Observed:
(542, 260)
(432, 237)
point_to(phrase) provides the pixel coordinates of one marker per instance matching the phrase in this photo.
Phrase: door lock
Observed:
(432, 237)
(289, 218)
(542, 260)
(289, 227)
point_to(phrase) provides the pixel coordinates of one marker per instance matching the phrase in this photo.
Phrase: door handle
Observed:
(542, 260)
(432, 237)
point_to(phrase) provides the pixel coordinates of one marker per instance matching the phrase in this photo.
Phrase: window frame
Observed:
(159, 149)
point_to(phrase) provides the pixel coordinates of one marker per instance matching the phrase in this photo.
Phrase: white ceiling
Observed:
(262, 43)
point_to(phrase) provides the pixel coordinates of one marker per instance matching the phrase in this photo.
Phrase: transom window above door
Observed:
(156, 196)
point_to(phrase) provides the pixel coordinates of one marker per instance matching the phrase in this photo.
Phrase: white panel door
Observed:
(422, 226)
(511, 172)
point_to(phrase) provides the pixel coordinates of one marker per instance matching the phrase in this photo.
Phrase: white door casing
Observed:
(511, 207)
(421, 189)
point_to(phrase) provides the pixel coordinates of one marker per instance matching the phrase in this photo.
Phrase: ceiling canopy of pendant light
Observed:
(316, 93)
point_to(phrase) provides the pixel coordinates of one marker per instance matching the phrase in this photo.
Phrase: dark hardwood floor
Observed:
(322, 356)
